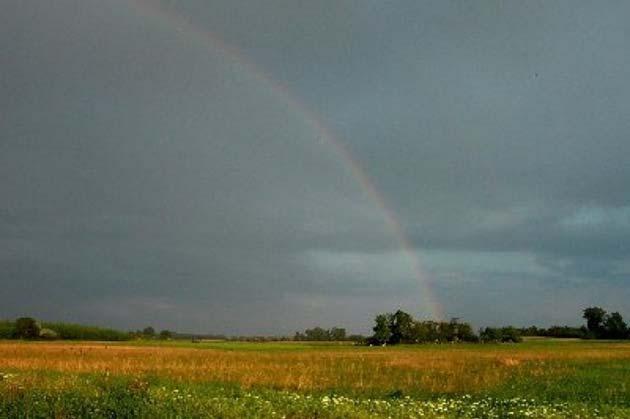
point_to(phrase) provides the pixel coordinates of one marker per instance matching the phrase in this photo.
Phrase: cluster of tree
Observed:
(556, 332)
(400, 327)
(197, 337)
(258, 339)
(500, 334)
(601, 325)
(150, 333)
(30, 328)
(320, 334)
(297, 337)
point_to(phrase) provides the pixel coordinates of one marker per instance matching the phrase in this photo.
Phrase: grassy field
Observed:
(542, 378)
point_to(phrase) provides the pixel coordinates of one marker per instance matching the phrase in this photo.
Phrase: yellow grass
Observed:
(465, 368)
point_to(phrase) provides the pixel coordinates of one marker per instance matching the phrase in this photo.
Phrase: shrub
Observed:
(166, 335)
(503, 334)
(7, 329)
(80, 332)
(27, 328)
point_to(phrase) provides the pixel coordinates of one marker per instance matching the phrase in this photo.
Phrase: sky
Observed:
(260, 167)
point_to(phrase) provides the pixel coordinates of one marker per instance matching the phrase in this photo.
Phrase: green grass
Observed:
(100, 396)
(596, 383)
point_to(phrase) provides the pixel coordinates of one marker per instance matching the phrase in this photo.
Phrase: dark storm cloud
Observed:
(146, 176)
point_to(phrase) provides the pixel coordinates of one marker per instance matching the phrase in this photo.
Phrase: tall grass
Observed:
(425, 370)
(534, 379)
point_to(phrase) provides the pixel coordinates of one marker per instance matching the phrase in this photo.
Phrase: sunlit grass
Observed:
(420, 369)
(589, 375)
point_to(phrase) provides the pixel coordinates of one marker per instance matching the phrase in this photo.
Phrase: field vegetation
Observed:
(541, 378)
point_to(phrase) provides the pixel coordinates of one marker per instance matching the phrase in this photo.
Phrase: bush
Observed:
(7, 329)
(27, 328)
(166, 335)
(504, 335)
(80, 332)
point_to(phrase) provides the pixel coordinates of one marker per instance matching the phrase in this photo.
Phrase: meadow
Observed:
(538, 378)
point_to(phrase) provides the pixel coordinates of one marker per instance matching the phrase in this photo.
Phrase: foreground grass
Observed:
(106, 397)
(536, 379)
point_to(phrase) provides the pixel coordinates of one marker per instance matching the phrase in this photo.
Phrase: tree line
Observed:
(599, 325)
(401, 327)
(150, 333)
(389, 329)
(334, 334)
(30, 328)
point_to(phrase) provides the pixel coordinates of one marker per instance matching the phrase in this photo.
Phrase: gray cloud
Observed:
(148, 177)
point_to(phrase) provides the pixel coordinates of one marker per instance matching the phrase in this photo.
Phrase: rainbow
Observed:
(153, 10)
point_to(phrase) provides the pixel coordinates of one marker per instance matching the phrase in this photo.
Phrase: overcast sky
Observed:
(152, 172)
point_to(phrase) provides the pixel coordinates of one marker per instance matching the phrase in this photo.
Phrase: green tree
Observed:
(595, 320)
(316, 334)
(490, 334)
(463, 332)
(426, 331)
(382, 330)
(615, 327)
(510, 334)
(148, 332)
(422, 332)
(166, 335)
(401, 327)
(27, 328)
(337, 333)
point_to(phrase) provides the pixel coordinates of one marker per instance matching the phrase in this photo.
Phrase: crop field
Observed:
(559, 379)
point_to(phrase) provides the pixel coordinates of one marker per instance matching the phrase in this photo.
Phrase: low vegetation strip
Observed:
(29, 328)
